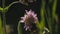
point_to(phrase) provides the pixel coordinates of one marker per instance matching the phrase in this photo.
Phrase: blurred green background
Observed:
(47, 11)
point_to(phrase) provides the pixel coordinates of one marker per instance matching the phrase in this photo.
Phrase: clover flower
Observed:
(29, 19)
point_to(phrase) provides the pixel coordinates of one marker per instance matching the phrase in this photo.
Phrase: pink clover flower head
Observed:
(29, 18)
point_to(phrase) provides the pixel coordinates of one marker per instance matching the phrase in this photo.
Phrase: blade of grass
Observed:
(48, 19)
(42, 23)
(54, 15)
(54, 8)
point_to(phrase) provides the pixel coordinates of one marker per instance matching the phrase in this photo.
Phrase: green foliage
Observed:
(1, 9)
(52, 17)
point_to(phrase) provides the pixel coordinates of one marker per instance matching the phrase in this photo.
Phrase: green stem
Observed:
(54, 15)
(19, 29)
(4, 23)
(3, 15)
(54, 8)
(6, 8)
(1, 29)
(42, 23)
(49, 20)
